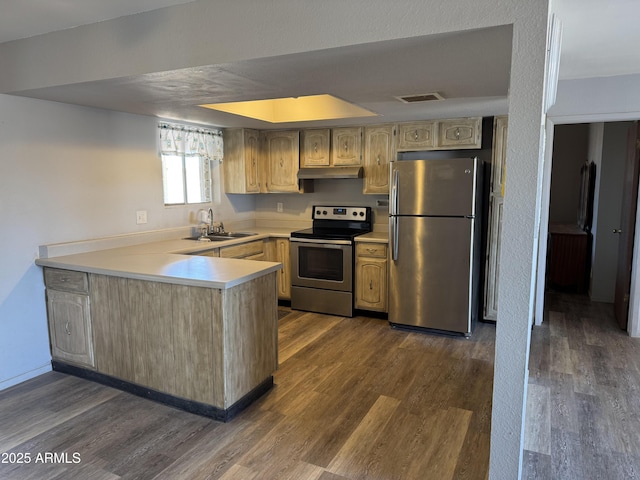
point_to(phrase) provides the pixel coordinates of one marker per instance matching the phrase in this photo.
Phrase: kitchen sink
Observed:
(220, 237)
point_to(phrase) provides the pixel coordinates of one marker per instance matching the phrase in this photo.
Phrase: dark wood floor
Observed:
(353, 399)
(583, 402)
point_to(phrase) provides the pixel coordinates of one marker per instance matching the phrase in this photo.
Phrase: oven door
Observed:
(324, 264)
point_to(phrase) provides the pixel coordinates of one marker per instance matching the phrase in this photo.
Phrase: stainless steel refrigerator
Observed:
(435, 246)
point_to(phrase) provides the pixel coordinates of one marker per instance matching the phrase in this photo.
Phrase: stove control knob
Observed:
(362, 214)
(324, 212)
(317, 212)
(355, 214)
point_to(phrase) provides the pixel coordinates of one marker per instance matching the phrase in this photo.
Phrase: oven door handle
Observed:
(323, 243)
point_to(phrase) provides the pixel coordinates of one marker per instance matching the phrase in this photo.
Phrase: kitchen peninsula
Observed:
(195, 332)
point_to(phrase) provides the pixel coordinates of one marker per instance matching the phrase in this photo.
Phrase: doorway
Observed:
(604, 144)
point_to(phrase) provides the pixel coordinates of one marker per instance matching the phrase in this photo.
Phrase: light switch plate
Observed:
(141, 217)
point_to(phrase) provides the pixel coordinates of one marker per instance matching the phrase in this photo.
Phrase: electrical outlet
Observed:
(279, 207)
(141, 217)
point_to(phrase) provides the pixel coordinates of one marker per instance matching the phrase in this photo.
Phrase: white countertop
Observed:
(168, 261)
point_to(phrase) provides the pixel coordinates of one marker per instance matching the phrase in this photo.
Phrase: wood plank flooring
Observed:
(353, 399)
(583, 401)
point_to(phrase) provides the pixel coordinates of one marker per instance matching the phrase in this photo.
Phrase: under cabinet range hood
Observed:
(330, 172)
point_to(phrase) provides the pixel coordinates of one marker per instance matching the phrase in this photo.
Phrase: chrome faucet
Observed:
(210, 220)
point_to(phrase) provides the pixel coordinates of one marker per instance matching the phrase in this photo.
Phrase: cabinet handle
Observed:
(457, 134)
(378, 160)
(346, 146)
(371, 250)
(66, 328)
(370, 285)
(617, 230)
(416, 135)
(315, 147)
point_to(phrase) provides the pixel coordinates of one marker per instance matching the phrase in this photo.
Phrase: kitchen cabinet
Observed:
(379, 151)
(346, 146)
(281, 254)
(460, 133)
(315, 148)
(371, 276)
(494, 234)
(242, 160)
(210, 252)
(416, 136)
(69, 315)
(282, 161)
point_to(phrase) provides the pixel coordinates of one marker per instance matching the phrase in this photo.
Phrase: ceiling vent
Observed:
(422, 97)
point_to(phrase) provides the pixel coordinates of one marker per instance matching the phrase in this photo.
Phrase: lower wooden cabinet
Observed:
(68, 309)
(284, 275)
(371, 276)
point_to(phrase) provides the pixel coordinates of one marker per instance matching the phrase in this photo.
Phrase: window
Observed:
(186, 154)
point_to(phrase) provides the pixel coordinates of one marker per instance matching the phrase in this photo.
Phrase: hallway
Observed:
(583, 402)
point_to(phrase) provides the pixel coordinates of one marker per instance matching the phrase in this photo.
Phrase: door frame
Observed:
(633, 324)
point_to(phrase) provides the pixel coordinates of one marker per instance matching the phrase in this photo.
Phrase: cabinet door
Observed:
(492, 267)
(379, 151)
(241, 164)
(315, 148)
(460, 133)
(371, 284)
(499, 155)
(282, 151)
(70, 327)
(284, 275)
(492, 271)
(346, 146)
(416, 136)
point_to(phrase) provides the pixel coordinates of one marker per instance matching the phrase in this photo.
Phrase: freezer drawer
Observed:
(431, 275)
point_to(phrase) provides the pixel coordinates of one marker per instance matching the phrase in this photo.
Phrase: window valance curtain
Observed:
(186, 140)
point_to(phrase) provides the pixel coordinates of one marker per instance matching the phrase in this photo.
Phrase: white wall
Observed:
(70, 173)
(298, 208)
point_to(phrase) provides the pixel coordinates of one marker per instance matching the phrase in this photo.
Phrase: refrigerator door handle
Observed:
(394, 193)
(394, 238)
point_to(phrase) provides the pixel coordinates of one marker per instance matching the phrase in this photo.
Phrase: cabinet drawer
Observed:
(66, 280)
(243, 250)
(378, 250)
(211, 252)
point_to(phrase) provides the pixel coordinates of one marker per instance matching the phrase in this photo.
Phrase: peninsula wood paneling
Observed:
(109, 303)
(150, 315)
(197, 353)
(250, 315)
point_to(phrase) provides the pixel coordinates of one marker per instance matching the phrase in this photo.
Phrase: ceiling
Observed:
(469, 69)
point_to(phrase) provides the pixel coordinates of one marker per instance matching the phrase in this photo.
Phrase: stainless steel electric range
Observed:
(322, 260)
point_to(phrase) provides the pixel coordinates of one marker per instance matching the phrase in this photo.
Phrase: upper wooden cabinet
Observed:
(315, 148)
(416, 136)
(460, 133)
(241, 164)
(453, 134)
(282, 160)
(379, 151)
(346, 146)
